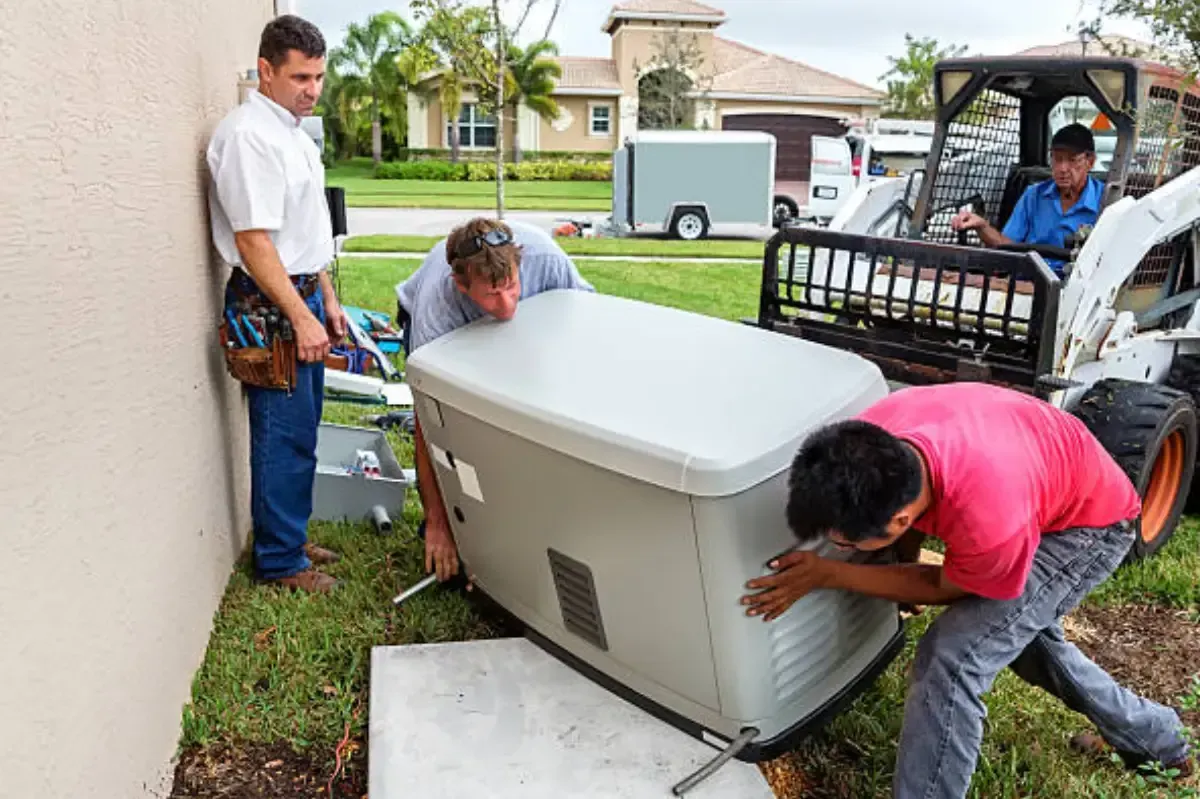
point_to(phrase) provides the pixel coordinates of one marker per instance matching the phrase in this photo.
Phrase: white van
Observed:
(841, 165)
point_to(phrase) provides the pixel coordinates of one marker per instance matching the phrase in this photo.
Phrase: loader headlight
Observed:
(1111, 84)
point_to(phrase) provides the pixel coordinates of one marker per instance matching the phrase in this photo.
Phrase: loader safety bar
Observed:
(923, 312)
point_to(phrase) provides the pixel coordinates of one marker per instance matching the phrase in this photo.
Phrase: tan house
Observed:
(738, 88)
(123, 467)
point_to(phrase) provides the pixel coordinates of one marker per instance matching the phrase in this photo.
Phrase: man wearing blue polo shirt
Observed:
(1051, 210)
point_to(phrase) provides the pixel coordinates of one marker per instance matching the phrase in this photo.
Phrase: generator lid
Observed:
(688, 402)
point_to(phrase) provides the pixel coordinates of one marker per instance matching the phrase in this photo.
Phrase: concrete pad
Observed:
(503, 718)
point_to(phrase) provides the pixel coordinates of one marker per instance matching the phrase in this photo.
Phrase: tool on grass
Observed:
(414, 590)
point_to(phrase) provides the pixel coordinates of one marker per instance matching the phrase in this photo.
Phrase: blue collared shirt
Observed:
(1039, 217)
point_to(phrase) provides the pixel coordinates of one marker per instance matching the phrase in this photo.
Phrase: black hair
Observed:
(850, 477)
(289, 32)
(1075, 137)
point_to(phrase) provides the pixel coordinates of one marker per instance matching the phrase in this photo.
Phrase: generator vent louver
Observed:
(577, 598)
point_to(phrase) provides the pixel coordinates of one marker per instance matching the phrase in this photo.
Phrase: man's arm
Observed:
(261, 260)
(800, 573)
(335, 319)
(440, 552)
(907, 583)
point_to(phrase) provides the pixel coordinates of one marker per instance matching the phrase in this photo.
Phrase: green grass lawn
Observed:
(647, 247)
(288, 667)
(362, 190)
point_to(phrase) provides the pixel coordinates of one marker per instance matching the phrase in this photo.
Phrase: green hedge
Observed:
(488, 156)
(478, 171)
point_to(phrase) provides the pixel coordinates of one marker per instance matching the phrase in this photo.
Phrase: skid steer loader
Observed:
(1112, 336)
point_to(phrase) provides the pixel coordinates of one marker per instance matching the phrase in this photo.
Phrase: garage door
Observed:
(793, 135)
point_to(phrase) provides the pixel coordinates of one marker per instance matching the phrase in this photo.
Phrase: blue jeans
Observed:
(283, 463)
(973, 639)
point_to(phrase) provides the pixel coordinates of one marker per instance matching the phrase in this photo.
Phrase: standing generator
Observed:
(614, 477)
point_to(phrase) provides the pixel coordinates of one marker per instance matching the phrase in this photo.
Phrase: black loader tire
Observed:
(1185, 376)
(1150, 430)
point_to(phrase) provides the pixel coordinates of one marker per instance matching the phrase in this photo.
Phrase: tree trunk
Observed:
(376, 131)
(516, 145)
(499, 110)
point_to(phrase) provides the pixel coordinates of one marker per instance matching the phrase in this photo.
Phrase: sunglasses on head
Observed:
(493, 238)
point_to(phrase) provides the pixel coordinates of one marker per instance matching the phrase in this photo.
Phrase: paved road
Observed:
(438, 222)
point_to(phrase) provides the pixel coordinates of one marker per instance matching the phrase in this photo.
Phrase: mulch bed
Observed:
(268, 771)
(1151, 650)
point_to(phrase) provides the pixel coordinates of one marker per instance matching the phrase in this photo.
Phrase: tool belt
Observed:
(257, 339)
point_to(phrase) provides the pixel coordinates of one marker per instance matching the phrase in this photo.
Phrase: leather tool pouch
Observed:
(271, 366)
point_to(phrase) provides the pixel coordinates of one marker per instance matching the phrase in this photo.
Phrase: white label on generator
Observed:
(439, 455)
(712, 740)
(469, 481)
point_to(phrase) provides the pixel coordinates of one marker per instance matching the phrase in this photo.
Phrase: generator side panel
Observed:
(776, 674)
(603, 565)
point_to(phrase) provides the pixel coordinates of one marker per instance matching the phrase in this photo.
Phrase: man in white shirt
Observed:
(270, 223)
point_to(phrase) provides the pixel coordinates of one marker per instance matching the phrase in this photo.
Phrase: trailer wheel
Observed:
(1150, 430)
(689, 224)
(785, 208)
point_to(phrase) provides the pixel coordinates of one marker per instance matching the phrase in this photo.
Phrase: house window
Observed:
(600, 120)
(475, 129)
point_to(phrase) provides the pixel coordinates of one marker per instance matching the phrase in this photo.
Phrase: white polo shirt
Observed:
(267, 174)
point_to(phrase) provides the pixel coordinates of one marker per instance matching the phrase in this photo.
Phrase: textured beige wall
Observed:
(636, 44)
(122, 451)
(576, 136)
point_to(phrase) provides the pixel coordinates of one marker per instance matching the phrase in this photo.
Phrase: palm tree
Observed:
(531, 79)
(341, 108)
(370, 54)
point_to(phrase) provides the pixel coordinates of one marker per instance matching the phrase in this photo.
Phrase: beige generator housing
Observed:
(615, 472)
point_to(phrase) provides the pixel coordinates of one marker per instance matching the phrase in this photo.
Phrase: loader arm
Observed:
(1126, 231)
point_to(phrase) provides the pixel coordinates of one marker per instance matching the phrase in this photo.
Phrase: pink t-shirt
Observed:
(1005, 467)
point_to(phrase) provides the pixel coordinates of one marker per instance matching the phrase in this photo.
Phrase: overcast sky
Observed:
(849, 37)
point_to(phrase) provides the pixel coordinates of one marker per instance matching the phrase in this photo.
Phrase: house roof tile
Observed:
(688, 7)
(740, 69)
(588, 73)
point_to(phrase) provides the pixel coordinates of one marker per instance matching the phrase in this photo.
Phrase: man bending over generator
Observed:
(483, 269)
(1034, 514)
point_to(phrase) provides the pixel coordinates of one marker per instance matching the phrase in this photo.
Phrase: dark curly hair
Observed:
(850, 477)
(289, 32)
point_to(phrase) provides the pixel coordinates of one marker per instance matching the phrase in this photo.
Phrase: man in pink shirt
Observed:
(1034, 514)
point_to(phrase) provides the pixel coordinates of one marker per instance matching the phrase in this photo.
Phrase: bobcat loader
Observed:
(1113, 338)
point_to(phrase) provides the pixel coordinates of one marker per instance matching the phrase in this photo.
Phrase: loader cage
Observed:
(923, 312)
(993, 132)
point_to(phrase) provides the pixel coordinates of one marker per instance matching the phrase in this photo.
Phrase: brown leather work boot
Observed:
(310, 580)
(1090, 744)
(321, 556)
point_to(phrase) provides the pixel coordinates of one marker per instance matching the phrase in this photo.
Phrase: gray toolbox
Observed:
(341, 494)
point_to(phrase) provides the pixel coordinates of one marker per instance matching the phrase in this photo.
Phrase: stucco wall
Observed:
(123, 451)
(572, 130)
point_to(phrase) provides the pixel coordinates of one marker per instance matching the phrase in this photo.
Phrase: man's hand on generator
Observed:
(796, 574)
(440, 552)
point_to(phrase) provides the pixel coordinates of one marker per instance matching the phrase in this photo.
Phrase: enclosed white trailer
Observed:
(684, 182)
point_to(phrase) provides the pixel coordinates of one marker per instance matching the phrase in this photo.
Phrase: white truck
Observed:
(872, 149)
